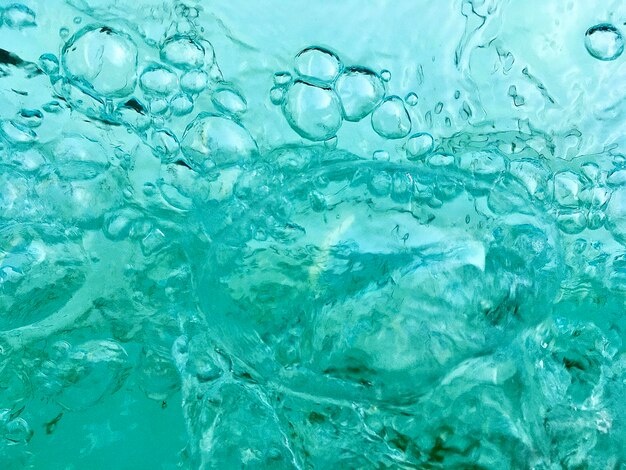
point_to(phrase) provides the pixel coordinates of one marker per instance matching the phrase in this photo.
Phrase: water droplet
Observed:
(216, 140)
(78, 20)
(194, 81)
(314, 112)
(411, 99)
(64, 32)
(385, 75)
(101, 59)
(419, 145)
(604, 42)
(282, 78)
(185, 53)
(391, 119)
(181, 104)
(317, 64)
(228, 100)
(157, 79)
(360, 91)
(18, 16)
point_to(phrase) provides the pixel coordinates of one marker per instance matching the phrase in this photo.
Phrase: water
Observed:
(227, 240)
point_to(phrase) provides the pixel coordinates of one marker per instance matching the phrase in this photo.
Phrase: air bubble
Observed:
(385, 75)
(313, 112)
(282, 78)
(216, 140)
(157, 79)
(419, 145)
(604, 42)
(185, 53)
(49, 64)
(360, 91)
(18, 16)
(616, 214)
(101, 59)
(159, 106)
(181, 104)
(194, 81)
(317, 63)
(411, 99)
(277, 95)
(228, 100)
(391, 119)
(164, 143)
(31, 117)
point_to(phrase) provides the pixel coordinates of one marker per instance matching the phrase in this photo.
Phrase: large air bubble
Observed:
(101, 59)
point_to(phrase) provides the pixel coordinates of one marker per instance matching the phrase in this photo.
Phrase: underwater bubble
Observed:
(411, 99)
(17, 133)
(164, 143)
(218, 140)
(159, 106)
(381, 155)
(314, 112)
(133, 113)
(157, 79)
(391, 119)
(418, 145)
(89, 372)
(117, 223)
(49, 64)
(78, 158)
(385, 75)
(53, 107)
(616, 214)
(482, 164)
(567, 188)
(64, 33)
(31, 117)
(277, 95)
(282, 78)
(101, 59)
(317, 64)
(183, 52)
(572, 222)
(604, 42)
(158, 376)
(28, 160)
(18, 16)
(228, 100)
(194, 81)
(181, 104)
(360, 91)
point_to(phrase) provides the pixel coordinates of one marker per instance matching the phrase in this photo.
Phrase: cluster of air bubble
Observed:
(300, 305)
(325, 92)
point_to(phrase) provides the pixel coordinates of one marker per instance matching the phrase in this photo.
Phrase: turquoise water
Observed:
(312, 234)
